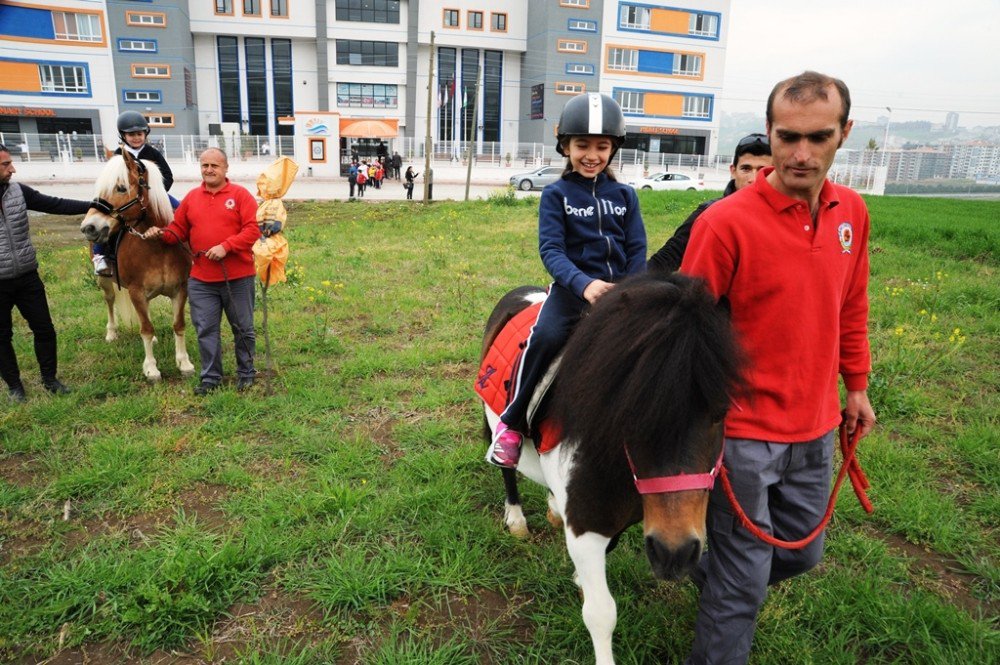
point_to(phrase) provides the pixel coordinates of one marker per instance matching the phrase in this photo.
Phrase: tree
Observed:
(872, 145)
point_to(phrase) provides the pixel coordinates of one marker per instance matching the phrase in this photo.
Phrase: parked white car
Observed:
(669, 181)
(536, 179)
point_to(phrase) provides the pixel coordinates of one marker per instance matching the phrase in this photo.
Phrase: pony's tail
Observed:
(126, 315)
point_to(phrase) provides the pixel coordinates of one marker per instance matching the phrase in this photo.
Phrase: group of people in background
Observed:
(364, 173)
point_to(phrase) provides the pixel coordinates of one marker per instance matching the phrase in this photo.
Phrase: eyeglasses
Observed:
(751, 139)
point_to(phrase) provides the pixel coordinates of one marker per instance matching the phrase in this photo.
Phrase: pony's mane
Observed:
(655, 355)
(116, 174)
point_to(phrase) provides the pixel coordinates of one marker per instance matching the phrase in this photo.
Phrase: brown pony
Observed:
(130, 197)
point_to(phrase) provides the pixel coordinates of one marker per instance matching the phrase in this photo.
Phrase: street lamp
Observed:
(885, 139)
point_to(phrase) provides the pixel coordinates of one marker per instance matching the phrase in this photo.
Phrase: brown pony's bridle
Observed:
(679, 482)
(139, 199)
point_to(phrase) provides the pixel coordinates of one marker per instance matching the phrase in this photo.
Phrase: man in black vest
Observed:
(20, 285)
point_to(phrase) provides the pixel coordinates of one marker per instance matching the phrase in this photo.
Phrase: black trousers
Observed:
(27, 293)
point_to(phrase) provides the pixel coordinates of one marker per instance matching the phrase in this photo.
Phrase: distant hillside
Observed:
(734, 126)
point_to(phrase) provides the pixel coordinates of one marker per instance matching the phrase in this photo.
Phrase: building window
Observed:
(623, 59)
(697, 107)
(146, 45)
(378, 54)
(140, 96)
(636, 18)
(474, 20)
(279, 8)
(631, 101)
(498, 21)
(255, 57)
(565, 88)
(369, 11)
(77, 27)
(281, 77)
(224, 7)
(492, 94)
(146, 19)
(579, 68)
(367, 95)
(450, 18)
(583, 4)
(229, 78)
(704, 25)
(687, 65)
(251, 7)
(571, 46)
(160, 120)
(66, 79)
(579, 25)
(151, 71)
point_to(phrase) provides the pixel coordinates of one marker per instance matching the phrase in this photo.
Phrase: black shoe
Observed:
(17, 394)
(245, 383)
(204, 388)
(56, 387)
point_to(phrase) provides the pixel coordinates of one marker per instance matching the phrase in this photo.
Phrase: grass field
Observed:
(346, 516)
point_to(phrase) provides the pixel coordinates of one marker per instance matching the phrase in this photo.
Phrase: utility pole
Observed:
(428, 171)
(475, 131)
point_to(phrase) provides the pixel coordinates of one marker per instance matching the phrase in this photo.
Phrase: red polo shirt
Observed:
(798, 292)
(227, 217)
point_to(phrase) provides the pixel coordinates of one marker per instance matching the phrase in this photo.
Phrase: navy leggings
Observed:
(559, 315)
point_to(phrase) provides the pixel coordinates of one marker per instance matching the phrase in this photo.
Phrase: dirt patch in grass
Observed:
(19, 470)
(944, 576)
(476, 618)
(200, 502)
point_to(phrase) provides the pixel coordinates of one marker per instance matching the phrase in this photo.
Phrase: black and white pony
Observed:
(641, 392)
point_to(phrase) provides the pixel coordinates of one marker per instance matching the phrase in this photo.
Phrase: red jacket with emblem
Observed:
(799, 297)
(228, 218)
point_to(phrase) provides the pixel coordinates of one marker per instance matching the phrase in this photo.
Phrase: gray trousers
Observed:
(208, 301)
(784, 489)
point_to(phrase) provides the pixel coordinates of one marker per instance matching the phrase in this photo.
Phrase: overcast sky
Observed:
(922, 58)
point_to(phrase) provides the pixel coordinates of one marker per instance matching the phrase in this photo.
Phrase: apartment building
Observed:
(477, 71)
(662, 61)
(57, 73)
(154, 63)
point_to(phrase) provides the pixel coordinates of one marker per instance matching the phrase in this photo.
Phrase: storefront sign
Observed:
(27, 111)
(659, 130)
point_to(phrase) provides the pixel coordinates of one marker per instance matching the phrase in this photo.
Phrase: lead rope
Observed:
(851, 466)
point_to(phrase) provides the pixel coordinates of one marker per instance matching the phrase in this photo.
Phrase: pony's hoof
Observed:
(187, 373)
(152, 376)
(111, 337)
(554, 518)
(519, 530)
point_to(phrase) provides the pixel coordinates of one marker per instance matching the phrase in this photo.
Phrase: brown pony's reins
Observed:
(851, 466)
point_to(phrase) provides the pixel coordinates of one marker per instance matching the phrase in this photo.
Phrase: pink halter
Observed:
(677, 483)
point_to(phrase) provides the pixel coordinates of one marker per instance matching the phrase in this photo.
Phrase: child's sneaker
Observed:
(101, 266)
(505, 451)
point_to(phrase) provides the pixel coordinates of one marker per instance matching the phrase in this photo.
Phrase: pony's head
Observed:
(649, 375)
(129, 192)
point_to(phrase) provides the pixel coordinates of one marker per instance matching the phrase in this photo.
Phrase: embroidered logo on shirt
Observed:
(230, 204)
(845, 233)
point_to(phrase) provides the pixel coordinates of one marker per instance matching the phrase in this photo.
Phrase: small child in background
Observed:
(590, 235)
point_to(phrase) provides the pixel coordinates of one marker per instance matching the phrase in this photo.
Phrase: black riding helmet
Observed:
(594, 114)
(132, 121)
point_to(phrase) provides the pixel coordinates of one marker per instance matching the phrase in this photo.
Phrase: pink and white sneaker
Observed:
(505, 450)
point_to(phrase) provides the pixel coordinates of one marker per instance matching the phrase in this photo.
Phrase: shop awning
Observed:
(368, 128)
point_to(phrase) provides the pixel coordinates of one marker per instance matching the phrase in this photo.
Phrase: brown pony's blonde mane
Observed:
(116, 174)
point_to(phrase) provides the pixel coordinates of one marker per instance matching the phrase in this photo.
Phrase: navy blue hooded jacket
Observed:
(590, 229)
